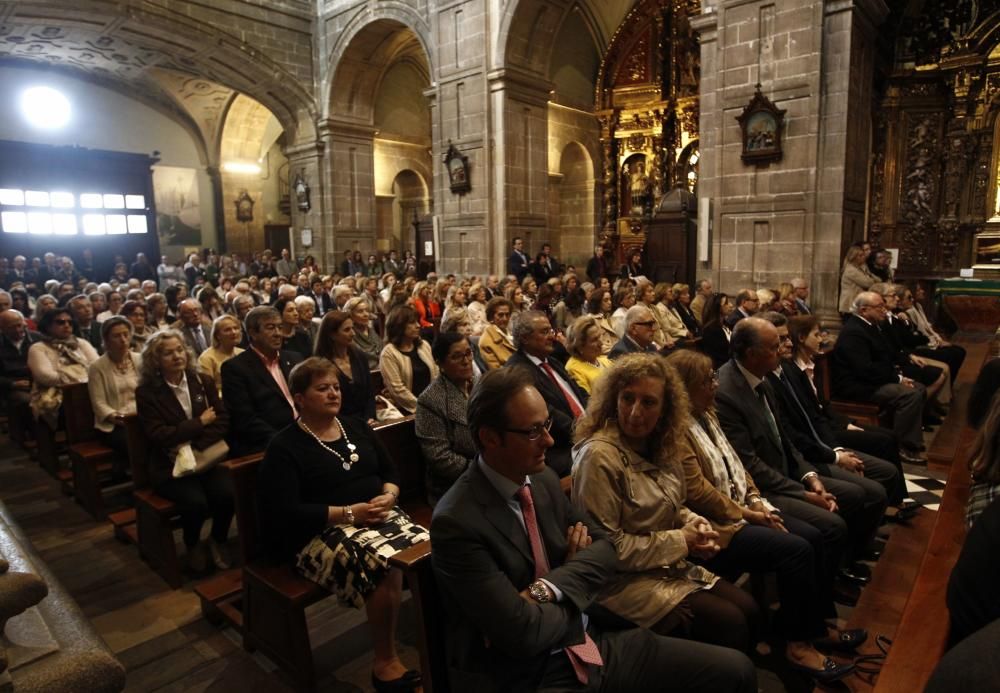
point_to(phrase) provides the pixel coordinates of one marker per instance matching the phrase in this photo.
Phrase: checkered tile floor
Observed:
(925, 490)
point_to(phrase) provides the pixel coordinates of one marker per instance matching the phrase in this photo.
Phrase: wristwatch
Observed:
(348, 515)
(539, 591)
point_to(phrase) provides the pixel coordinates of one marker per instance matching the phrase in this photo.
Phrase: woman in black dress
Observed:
(295, 338)
(335, 342)
(328, 492)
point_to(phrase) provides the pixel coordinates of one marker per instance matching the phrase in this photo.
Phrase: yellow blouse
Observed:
(586, 374)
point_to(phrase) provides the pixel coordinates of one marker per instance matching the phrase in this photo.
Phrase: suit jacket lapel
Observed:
(499, 515)
(169, 400)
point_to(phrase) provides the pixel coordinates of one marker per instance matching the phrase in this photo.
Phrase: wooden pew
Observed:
(88, 457)
(274, 596)
(400, 439)
(857, 411)
(155, 515)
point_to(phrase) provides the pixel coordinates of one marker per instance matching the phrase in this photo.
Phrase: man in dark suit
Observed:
(876, 477)
(15, 377)
(750, 417)
(640, 326)
(865, 369)
(801, 290)
(87, 328)
(517, 263)
(255, 385)
(318, 293)
(746, 305)
(519, 567)
(19, 272)
(193, 325)
(534, 340)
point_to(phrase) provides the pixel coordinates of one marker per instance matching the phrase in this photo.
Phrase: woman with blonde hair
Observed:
(477, 308)
(586, 362)
(752, 536)
(628, 477)
(515, 294)
(855, 277)
(225, 336)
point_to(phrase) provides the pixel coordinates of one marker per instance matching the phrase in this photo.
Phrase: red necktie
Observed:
(579, 655)
(570, 399)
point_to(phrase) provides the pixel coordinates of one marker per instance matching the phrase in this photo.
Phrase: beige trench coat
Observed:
(641, 505)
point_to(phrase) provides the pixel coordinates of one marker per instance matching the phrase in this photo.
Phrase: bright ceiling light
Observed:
(241, 167)
(45, 108)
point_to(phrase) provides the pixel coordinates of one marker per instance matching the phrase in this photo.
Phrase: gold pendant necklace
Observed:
(350, 446)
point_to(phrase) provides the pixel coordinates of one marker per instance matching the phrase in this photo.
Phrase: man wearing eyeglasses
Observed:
(519, 568)
(866, 370)
(255, 385)
(640, 326)
(535, 341)
(747, 304)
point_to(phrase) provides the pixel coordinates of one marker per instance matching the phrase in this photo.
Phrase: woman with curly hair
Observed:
(628, 477)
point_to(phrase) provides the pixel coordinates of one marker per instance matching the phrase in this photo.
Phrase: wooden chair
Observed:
(88, 457)
(274, 596)
(155, 516)
(857, 411)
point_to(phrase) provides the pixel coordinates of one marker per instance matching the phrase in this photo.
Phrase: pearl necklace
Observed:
(350, 446)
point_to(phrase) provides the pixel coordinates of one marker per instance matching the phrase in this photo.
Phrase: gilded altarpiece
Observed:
(647, 105)
(934, 175)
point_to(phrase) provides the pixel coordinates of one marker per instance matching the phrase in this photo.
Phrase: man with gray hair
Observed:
(535, 340)
(865, 369)
(800, 289)
(747, 303)
(640, 326)
(255, 385)
(703, 292)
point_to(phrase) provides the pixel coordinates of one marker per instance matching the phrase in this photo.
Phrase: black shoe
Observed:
(409, 681)
(845, 640)
(854, 577)
(931, 420)
(831, 671)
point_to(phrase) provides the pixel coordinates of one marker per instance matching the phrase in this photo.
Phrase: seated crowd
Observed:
(693, 426)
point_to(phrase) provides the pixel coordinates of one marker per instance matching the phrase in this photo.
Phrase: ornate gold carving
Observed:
(920, 183)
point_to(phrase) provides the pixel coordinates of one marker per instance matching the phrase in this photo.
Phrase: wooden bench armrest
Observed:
(157, 503)
(285, 581)
(238, 462)
(409, 559)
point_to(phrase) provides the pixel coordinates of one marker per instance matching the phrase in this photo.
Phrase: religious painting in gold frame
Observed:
(986, 251)
(762, 125)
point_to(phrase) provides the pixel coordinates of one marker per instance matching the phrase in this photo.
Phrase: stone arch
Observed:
(252, 135)
(411, 197)
(576, 212)
(113, 46)
(367, 46)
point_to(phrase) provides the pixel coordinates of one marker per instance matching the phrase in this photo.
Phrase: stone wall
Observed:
(774, 222)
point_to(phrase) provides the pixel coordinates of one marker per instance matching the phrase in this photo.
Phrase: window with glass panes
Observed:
(70, 213)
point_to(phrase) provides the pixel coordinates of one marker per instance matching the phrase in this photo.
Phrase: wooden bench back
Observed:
(79, 414)
(400, 439)
(376, 380)
(821, 376)
(243, 472)
(138, 453)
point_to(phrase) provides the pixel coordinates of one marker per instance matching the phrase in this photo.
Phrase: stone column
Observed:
(813, 58)
(519, 114)
(308, 158)
(350, 170)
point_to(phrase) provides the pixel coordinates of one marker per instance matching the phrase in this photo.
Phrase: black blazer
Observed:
(687, 317)
(496, 641)
(357, 397)
(715, 344)
(775, 465)
(255, 402)
(862, 361)
(517, 264)
(14, 361)
(797, 419)
(558, 456)
(627, 345)
(166, 425)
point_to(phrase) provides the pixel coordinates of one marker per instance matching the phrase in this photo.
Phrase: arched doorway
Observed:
(577, 213)
(381, 135)
(410, 203)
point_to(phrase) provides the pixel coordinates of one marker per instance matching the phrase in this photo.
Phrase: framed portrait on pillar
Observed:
(762, 125)
(458, 170)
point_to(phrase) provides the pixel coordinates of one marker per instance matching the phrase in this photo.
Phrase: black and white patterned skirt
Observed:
(350, 561)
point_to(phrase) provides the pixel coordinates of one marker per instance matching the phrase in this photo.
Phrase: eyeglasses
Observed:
(646, 323)
(535, 432)
(461, 356)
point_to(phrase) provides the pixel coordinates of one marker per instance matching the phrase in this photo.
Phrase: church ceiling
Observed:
(143, 51)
